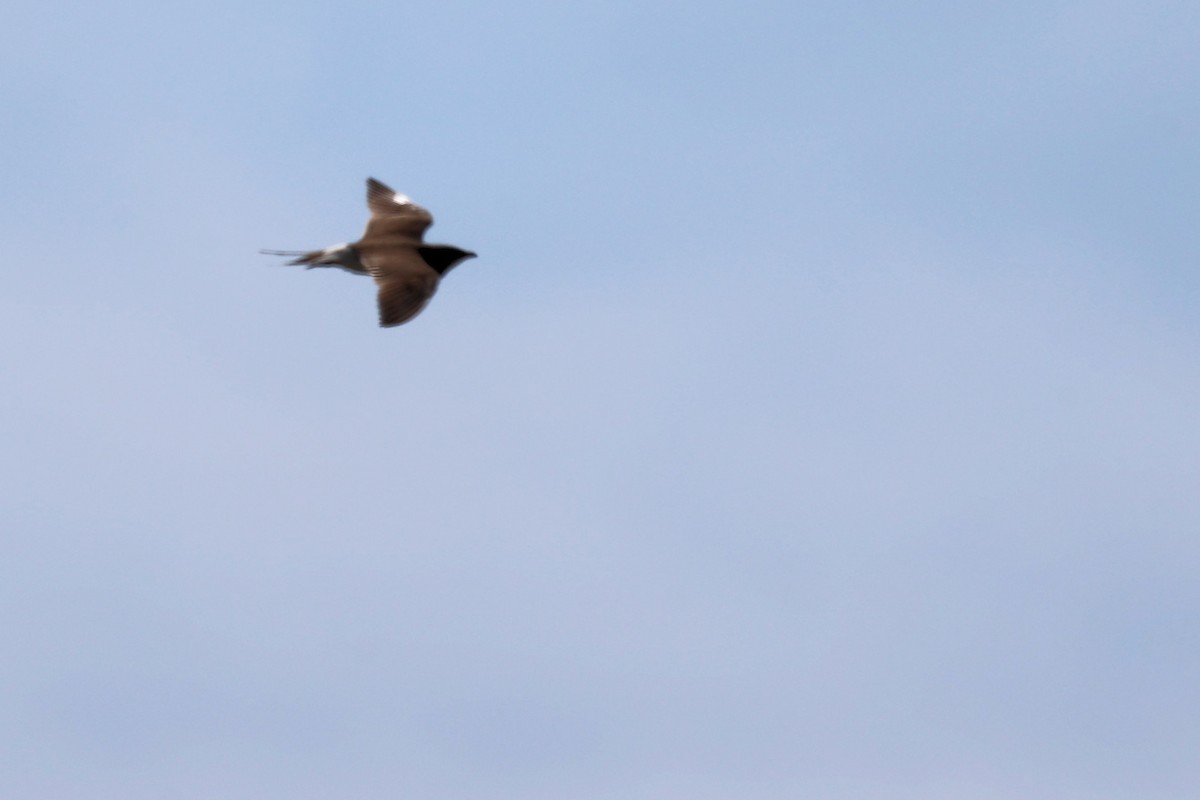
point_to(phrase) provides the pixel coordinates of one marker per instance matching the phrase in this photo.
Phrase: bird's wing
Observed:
(405, 282)
(401, 299)
(393, 214)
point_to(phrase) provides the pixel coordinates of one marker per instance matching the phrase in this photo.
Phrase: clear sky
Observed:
(820, 420)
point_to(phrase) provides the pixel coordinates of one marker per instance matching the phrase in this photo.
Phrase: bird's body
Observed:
(393, 252)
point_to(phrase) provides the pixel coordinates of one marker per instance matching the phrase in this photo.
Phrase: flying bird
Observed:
(392, 251)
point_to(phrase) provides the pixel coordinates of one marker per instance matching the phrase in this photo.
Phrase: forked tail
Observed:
(298, 256)
(342, 256)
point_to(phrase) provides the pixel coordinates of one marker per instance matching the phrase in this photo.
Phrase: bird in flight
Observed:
(393, 252)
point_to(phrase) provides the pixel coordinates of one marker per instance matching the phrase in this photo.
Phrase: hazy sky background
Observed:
(819, 420)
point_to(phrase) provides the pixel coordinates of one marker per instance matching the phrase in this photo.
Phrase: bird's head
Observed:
(444, 257)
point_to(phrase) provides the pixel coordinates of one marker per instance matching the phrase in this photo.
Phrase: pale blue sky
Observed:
(819, 420)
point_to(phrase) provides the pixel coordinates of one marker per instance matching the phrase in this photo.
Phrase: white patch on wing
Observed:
(401, 199)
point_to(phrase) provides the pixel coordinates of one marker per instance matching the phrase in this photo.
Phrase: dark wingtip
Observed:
(379, 194)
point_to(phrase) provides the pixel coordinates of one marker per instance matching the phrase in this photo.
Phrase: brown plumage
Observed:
(393, 252)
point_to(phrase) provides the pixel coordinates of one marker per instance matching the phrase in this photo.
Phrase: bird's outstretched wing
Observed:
(405, 281)
(393, 214)
(401, 299)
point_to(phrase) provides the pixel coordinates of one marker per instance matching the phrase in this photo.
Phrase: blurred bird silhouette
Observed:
(392, 251)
